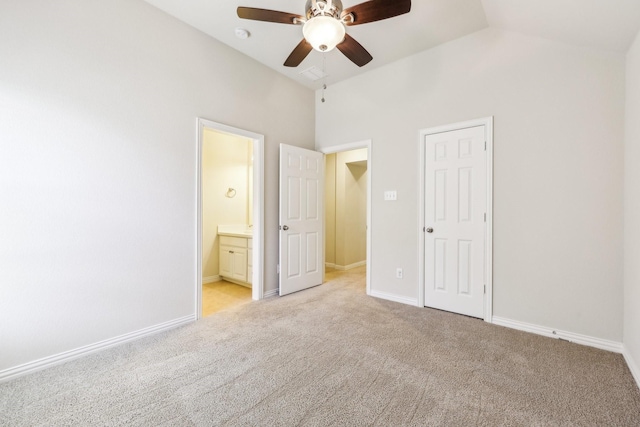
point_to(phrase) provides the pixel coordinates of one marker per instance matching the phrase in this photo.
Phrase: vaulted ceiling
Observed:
(599, 24)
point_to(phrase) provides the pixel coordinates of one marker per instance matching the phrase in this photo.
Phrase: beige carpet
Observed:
(332, 356)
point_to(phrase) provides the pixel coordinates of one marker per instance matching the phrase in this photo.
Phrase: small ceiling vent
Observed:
(314, 73)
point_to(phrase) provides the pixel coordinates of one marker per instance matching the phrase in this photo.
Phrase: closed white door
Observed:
(455, 215)
(301, 221)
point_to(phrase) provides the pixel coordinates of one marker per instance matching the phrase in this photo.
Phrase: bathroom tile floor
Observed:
(222, 295)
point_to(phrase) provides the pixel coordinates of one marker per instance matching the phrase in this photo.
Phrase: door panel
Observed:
(239, 257)
(455, 206)
(293, 255)
(301, 221)
(225, 262)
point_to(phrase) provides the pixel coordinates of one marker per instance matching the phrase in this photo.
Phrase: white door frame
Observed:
(348, 147)
(257, 287)
(487, 122)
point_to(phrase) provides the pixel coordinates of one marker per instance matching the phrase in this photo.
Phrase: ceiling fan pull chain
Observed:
(324, 74)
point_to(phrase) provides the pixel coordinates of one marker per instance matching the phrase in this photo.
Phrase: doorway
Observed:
(456, 218)
(230, 215)
(347, 242)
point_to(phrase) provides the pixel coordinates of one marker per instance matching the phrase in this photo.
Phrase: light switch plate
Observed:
(391, 195)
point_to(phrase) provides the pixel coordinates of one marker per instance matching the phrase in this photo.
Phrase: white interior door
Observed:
(301, 220)
(455, 215)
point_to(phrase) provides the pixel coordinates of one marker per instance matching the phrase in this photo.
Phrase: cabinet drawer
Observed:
(233, 241)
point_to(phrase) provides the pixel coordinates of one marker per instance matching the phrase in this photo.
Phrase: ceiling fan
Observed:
(324, 25)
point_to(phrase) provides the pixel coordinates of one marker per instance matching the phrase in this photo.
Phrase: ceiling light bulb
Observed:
(323, 32)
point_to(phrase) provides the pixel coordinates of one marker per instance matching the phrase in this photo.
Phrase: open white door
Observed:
(455, 215)
(301, 218)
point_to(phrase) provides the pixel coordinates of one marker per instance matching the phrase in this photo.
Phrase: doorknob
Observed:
(285, 227)
(429, 230)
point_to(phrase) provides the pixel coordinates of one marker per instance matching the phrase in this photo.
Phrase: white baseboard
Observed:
(394, 298)
(587, 340)
(237, 282)
(211, 279)
(633, 367)
(345, 267)
(271, 293)
(350, 266)
(57, 359)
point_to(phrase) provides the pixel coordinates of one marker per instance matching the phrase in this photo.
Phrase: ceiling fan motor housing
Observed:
(332, 8)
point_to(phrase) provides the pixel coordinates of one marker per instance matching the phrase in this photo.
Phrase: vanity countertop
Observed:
(241, 230)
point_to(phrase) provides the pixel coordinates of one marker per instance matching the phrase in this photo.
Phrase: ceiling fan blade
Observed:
(299, 53)
(376, 10)
(268, 15)
(354, 51)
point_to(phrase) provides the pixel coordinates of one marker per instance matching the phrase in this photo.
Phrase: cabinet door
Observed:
(239, 269)
(226, 262)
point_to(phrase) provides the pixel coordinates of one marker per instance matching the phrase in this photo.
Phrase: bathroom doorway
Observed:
(230, 217)
(348, 211)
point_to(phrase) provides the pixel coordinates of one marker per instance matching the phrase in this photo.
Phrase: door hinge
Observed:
(485, 217)
(485, 289)
(485, 146)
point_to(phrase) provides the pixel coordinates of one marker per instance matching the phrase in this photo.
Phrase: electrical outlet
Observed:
(398, 273)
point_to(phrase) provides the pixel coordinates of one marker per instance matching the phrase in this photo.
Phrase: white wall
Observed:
(632, 212)
(558, 160)
(98, 108)
(225, 164)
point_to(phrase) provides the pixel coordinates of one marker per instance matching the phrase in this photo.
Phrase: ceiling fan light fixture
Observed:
(323, 32)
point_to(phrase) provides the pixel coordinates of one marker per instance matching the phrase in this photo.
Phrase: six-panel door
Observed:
(455, 207)
(301, 218)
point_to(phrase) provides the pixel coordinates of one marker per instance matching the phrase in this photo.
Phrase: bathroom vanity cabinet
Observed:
(235, 259)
